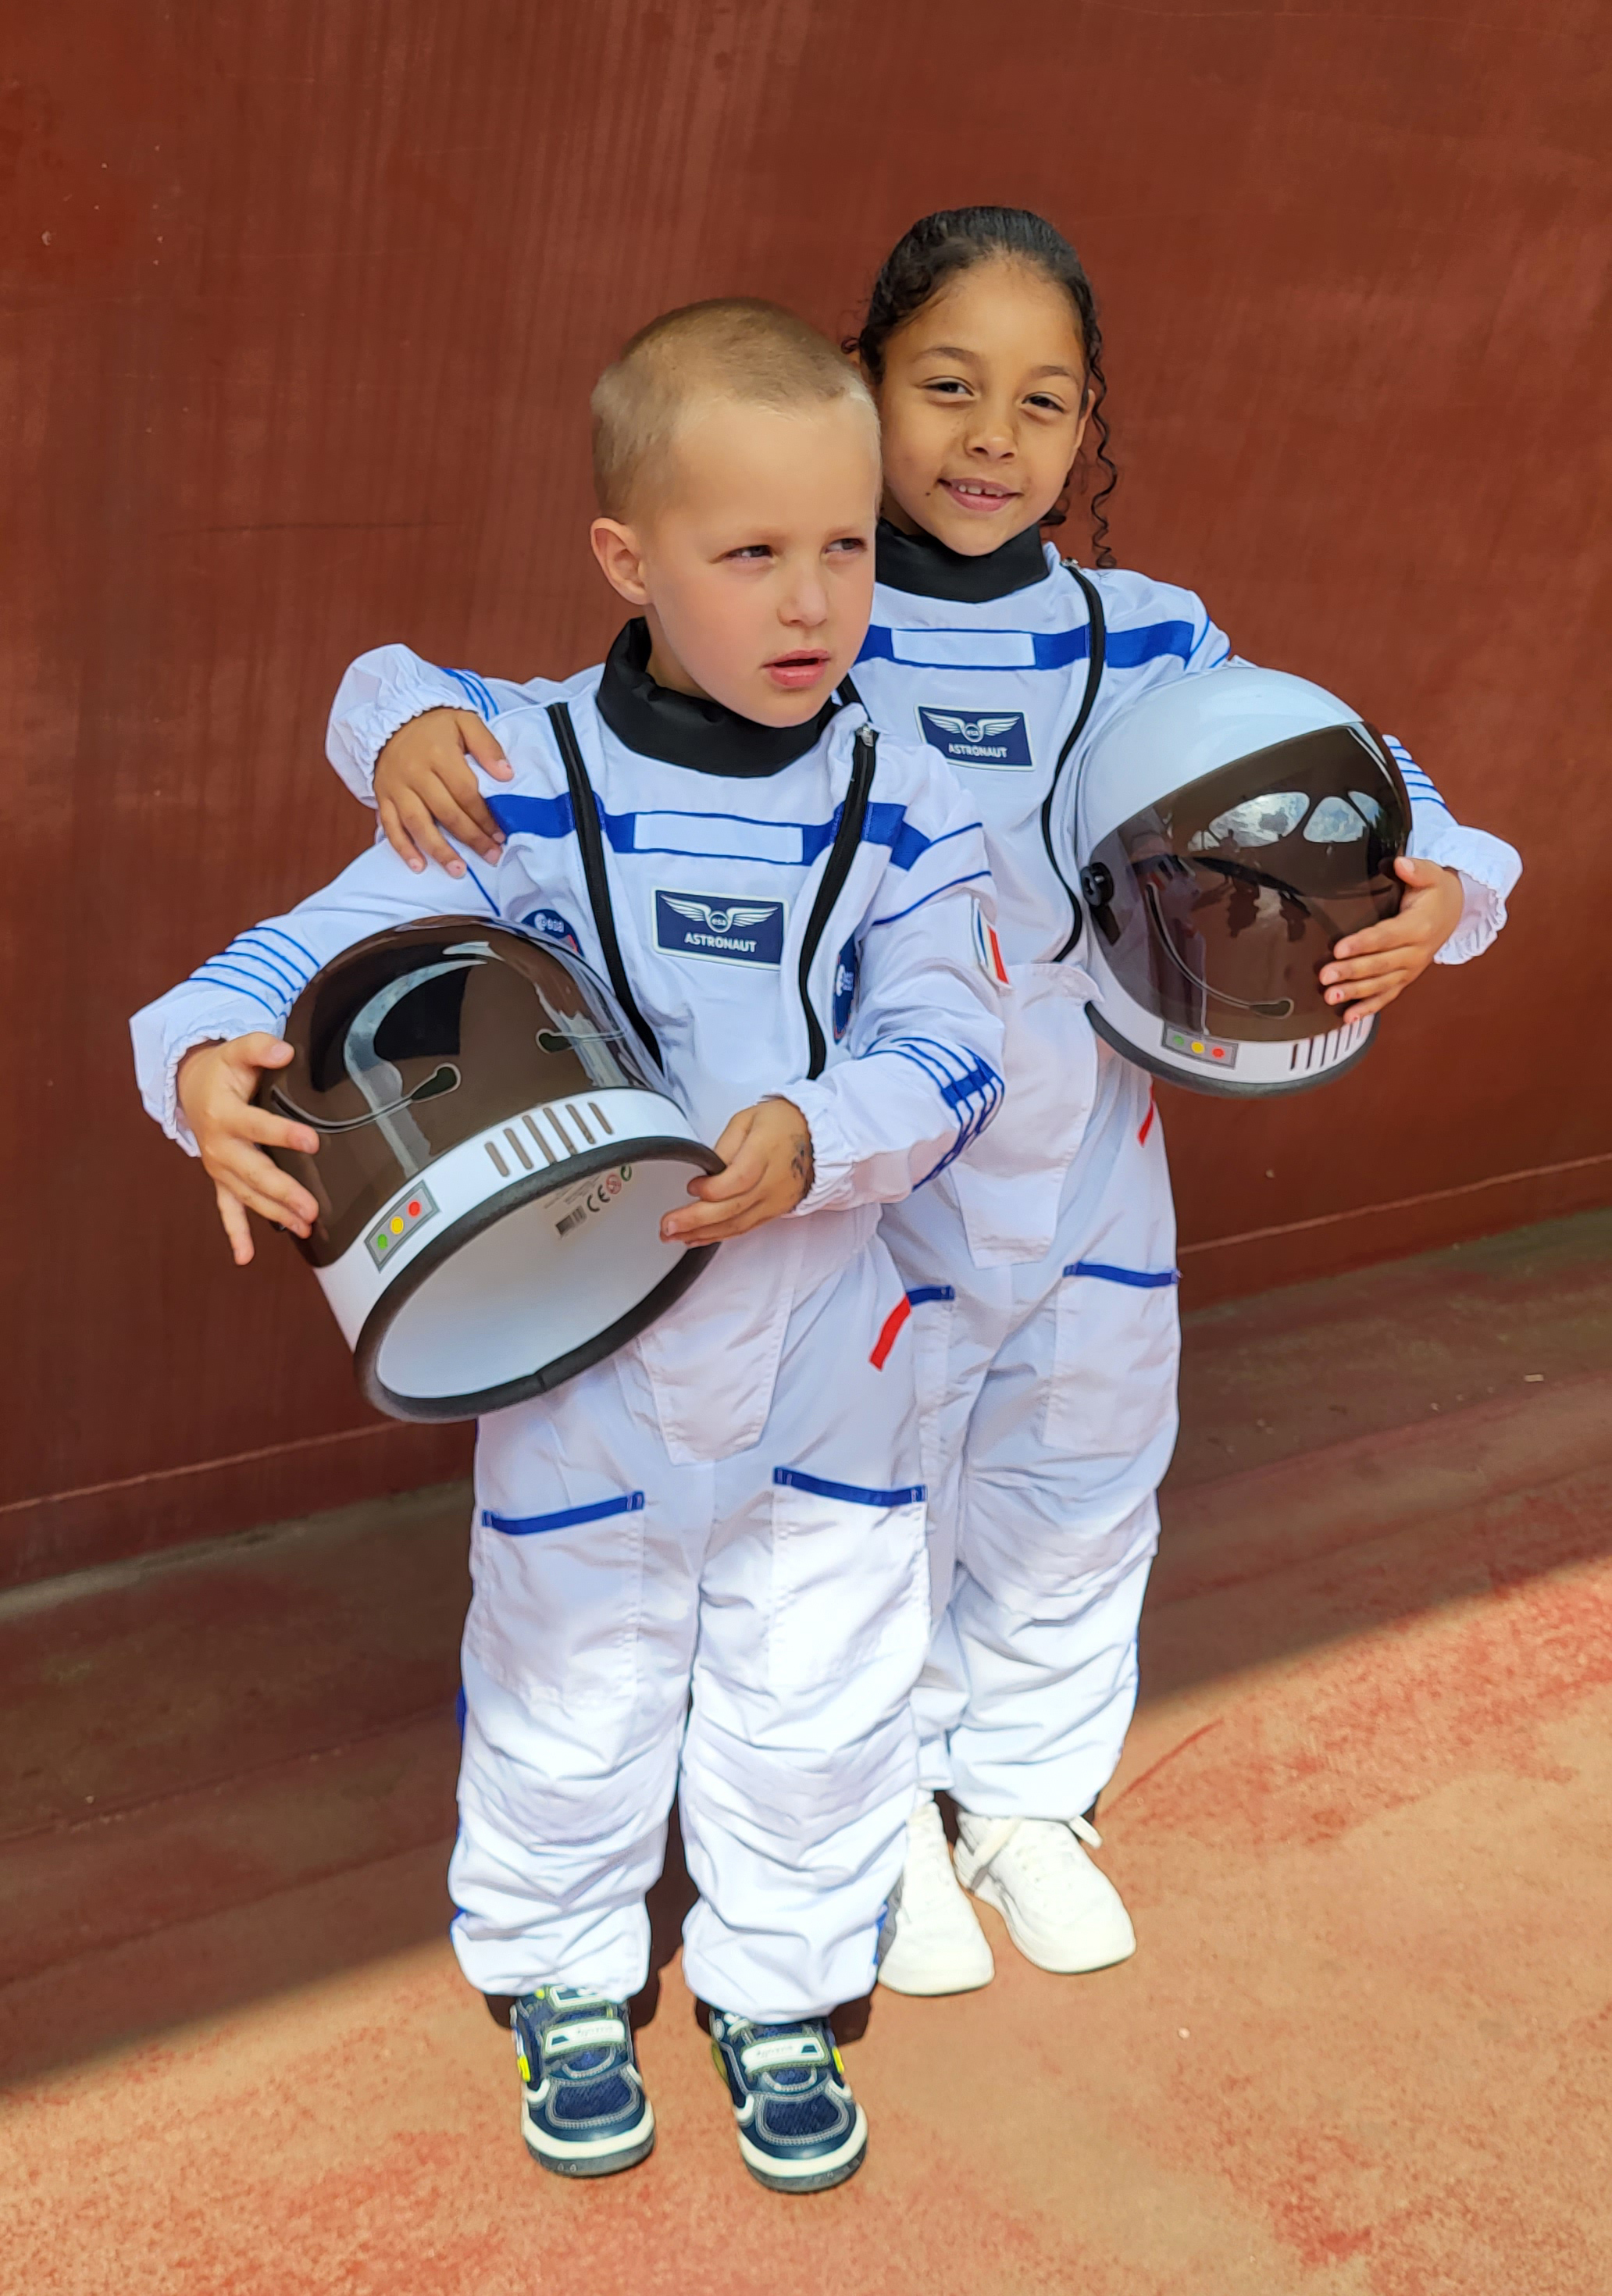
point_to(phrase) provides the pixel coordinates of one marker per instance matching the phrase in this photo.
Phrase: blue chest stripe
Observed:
(552, 818)
(1050, 650)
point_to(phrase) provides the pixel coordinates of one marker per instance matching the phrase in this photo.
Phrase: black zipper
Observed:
(847, 838)
(1094, 678)
(585, 820)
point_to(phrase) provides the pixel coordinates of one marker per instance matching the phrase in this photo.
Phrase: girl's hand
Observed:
(1375, 966)
(215, 1086)
(768, 1151)
(423, 786)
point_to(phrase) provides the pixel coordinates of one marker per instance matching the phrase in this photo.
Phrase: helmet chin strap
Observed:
(1273, 1009)
(446, 1079)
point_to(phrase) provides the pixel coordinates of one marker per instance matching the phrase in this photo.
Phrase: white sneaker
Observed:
(931, 1941)
(1061, 1912)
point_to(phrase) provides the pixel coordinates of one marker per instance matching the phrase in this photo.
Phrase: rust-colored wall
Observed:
(303, 298)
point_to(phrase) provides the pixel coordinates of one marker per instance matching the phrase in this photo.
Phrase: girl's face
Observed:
(983, 407)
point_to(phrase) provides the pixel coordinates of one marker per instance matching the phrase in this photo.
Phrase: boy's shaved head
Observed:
(739, 348)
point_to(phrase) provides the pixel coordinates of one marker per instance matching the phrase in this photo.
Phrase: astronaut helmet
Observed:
(1231, 830)
(496, 1151)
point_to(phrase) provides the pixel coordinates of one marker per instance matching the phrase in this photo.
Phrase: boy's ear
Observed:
(620, 558)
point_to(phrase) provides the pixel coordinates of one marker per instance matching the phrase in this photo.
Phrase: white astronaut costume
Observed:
(727, 1518)
(1039, 1266)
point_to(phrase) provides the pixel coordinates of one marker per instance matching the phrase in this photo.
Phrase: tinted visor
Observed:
(1229, 895)
(422, 1038)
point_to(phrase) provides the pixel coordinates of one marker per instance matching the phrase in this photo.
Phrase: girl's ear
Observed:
(620, 558)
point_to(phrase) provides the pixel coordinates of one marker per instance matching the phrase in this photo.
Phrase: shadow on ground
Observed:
(230, 1769)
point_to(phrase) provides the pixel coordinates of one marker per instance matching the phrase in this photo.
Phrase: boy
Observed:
(754, 1550)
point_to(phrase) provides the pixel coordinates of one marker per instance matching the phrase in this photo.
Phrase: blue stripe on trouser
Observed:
(526, 1526)
(856, 1493)
(1140, 1279)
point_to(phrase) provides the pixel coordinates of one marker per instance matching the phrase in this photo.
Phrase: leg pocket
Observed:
(554, 1616)
(934, 1310)
(1115, 1355)
(849, 1619)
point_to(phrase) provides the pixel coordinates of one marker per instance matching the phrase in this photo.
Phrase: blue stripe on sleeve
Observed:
(249, 966)
(206, 974)
(922, 1294)
(951, 886)
(857, 1494)
(273, 932)
(278, 967)
(481, 696)
(528, 1526)
(1139, 1279)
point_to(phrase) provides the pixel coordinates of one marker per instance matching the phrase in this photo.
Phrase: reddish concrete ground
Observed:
(1363, 1822)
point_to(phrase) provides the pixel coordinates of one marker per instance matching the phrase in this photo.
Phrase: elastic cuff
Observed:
(1482, 915)
(173, 1115)
(832, 1165)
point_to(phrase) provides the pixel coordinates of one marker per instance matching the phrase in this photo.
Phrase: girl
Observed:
(1041, 1265)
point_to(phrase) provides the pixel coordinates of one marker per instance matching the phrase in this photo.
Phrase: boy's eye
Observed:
(750, 550)
(849, 546)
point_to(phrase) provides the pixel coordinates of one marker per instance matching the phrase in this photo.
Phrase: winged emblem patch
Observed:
(997, 741)
(706, 925)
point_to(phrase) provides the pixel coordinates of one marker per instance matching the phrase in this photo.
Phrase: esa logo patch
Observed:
(552, 926)
(846, 974)
(738, 932)
(997, 740)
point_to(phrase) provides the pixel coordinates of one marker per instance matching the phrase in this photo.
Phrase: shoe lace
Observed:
(1043, 1846)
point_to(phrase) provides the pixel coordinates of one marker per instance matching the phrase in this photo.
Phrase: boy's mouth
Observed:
(793, 672)
(982, 496)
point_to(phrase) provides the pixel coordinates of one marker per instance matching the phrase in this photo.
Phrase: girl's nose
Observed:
(992, 436)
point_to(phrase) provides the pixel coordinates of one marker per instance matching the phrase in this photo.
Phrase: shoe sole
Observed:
(987, 1893)
(930, 1991)
(600, 2156)
(820, 2176)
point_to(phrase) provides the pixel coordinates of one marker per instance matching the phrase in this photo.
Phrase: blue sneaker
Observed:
(583, 2110)
(800, 2128)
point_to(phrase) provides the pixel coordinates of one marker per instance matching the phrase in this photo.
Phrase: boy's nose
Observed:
(806, 606)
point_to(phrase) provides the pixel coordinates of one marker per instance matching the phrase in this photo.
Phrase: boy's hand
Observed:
(768, 1151)
(215, 1086)
(423, 786)
(1375, 966)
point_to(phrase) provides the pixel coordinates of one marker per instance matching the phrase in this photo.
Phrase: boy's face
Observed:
(753, 562)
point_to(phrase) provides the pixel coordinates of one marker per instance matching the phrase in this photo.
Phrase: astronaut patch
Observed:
(736, 932)
(997, 740)
(989, 949)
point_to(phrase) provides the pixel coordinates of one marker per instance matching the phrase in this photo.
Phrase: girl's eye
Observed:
(1046, 404)
(946, 386)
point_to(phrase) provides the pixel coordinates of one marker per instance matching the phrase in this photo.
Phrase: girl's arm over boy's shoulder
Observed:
(402, 734)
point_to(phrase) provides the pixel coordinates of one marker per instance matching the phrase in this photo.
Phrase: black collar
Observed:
(682, 730)
(919, 563)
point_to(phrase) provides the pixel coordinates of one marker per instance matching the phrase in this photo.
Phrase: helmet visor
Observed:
(421, 1038)
(1229, 896)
